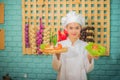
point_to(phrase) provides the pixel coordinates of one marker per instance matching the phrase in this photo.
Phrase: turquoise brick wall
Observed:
(12, 60)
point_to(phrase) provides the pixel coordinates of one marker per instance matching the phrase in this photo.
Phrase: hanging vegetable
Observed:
(87, 34)
(46, 38)
(40, 36)
(33, 39)
(27, 44)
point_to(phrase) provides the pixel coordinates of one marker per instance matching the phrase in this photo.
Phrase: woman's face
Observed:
(73, 30)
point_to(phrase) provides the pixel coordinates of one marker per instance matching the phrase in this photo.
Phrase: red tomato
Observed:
(65, 32)
(95, 47)
(62, 35)
(59, 46)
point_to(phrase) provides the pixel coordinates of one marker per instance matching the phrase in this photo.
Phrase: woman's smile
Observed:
(74, 34)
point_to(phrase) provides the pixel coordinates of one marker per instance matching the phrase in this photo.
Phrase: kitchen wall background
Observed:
(33, 67)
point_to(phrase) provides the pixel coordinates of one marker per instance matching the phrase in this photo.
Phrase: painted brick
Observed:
(11, 23)
(17, 38)
(114, 18)
(37, 60)
(115, 77)
(31, 65)
(12, 7)
(114, 46)
(8, 48)
(115, 24)
(8, 39)
(1, 69)
(27, 70)
(105, 78)
(12, 65)
(114, 50)
(19, 44)
(11, 54)
(114, 7)
(37, 71)
(115, 29)
(111, 73)
(17, 49)
(8, 60)
(11, 43)
(9, 32)
(3, 64)
(47, 60)
(115, 1)
(2, 55)
(13, 29)
(115, 67)
(22, 65)
(115, 56)
(18, 60)
(27, 60)
(115, 12)
(31, 75)
(113, 39)
(10, 12)
(94, 77)
(105, 67)
(118, 61)
(9, 17)
(101, 62)
(116, 34)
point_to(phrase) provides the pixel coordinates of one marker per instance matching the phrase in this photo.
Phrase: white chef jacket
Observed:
(73, 64)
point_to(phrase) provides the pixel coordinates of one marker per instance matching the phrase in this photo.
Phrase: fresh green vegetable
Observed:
(53, 39)
(95, 49)
(42, 46)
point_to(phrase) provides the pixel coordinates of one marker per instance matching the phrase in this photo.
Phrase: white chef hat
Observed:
(72, 16)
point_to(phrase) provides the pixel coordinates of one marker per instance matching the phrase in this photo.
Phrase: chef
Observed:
(76, 62)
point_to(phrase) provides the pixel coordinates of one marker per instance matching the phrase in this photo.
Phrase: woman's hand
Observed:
(90, 57)
(96, 57)
(58, 56)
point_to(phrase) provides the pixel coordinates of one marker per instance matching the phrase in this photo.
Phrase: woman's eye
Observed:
(71, 28)
(77, 27)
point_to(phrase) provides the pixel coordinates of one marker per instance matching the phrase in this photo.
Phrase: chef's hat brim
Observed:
(72, 16)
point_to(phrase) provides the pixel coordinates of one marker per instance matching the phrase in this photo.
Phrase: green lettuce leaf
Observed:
(100, 51)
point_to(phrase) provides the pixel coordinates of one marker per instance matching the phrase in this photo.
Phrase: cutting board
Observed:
(2, 39)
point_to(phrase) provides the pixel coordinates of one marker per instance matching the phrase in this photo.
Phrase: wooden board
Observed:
(96, 12)
(1, 13)
(2, 39)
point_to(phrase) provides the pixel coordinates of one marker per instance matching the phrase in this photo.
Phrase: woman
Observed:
(76, 62)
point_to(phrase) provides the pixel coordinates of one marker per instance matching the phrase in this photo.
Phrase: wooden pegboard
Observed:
(96, 12)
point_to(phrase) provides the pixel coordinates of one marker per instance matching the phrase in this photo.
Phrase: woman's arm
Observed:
(88, 61)
(89, 58)
(56, 63)
(58, 56)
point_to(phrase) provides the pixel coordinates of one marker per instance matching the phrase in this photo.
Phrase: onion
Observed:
(26, 28)
(26, 39)
(41, 30)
